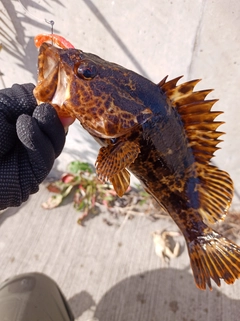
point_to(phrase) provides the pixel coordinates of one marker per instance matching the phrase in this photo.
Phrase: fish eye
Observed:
(86, 71)
(113, 140)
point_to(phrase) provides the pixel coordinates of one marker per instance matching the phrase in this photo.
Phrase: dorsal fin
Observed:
(170, 84)
(197, 117)
(216, 188)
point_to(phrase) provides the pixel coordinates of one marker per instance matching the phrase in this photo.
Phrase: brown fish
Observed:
(165, 134)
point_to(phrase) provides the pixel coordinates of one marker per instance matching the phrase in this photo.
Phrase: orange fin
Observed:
(216, 192)
(121, 182)
(198, 119)
(114, 158)
(212, 256)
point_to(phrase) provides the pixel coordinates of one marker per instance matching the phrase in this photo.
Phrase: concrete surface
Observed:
(108, 272)
(113, 273)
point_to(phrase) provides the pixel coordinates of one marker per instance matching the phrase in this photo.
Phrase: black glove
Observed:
(31, 137)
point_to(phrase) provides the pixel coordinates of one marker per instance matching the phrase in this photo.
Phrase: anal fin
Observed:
(213, 256)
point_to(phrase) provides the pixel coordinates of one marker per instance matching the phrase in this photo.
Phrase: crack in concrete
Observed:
(196, 39)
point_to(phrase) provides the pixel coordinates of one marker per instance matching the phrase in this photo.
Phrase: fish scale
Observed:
(165, 134)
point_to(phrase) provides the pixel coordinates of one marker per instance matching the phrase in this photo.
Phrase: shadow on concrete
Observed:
(81, 302)
(115, 36)
(14, 41)
(163, 294)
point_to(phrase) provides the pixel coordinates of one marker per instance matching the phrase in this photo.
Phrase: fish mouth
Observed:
(52, 86)
(62, 92)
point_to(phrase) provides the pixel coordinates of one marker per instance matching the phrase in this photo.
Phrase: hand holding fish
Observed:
(165, 134)
(31, 138)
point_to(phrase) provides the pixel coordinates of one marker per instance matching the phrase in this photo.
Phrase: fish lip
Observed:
(52, 78)
(48, 65)
(48, 60)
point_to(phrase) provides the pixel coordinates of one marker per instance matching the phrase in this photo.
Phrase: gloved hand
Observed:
(31, 137)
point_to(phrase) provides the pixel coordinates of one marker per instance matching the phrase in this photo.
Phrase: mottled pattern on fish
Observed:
(164, 134)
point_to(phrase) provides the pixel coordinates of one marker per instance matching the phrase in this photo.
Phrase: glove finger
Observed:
(7, 134)
(39, 148)
(17, 100)
(13, 102)
(51, 125)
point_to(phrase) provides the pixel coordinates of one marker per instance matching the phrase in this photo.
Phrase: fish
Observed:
(165, 134)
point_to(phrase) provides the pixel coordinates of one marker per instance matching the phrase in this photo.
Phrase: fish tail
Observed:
(213, 256)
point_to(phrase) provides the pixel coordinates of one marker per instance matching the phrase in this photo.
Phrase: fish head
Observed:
(102, 95)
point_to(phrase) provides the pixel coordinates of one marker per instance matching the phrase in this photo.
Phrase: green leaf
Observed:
(76, 166)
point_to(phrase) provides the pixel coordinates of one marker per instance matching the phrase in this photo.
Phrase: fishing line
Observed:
(51, 22)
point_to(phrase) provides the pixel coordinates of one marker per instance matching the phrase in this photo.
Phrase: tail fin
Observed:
(214, 257)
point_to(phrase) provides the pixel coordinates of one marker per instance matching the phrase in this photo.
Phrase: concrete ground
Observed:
(111, 272)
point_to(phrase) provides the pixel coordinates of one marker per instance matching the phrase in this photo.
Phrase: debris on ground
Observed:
(165, 245)
(91, 197)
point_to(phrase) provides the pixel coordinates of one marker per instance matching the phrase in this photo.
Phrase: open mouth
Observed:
(52, 84)
(62, 90)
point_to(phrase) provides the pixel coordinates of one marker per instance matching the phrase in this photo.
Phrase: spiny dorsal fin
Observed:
(170, 84)
(197, 117)
(216, 188)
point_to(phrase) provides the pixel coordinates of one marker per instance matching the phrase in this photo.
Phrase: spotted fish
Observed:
(165, 134)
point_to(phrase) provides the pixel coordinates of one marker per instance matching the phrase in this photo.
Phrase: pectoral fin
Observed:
(115, 158)
(121, 182)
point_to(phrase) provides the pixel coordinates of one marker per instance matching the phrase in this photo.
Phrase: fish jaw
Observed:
(53, 82)
(48, 66)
